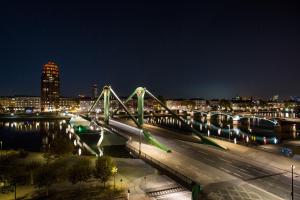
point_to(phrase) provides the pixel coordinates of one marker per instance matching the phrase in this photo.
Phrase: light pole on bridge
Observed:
(229, 131)
(292, 193)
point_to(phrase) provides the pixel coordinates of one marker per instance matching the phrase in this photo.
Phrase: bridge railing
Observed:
(174, 174)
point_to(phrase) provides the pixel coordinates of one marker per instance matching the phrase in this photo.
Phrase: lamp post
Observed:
(114, 171)
(229, 131)
(128, 194)
(121, 180)
(292, 193)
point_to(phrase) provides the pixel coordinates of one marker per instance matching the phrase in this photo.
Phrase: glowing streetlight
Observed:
(114, 171)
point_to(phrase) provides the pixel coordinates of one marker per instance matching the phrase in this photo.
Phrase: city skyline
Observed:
(216, 50)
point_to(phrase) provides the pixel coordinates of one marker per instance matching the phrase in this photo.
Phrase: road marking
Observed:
(225, 160)
(259, 171)
(226, 170)
(238, 175)
(208, 160)
(241, 169)
(202, 153)
(233, 166)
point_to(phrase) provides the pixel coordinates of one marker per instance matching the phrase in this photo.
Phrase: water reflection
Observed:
(253, 130)
(30, 135)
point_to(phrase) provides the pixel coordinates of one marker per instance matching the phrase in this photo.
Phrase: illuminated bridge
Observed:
(199, 162)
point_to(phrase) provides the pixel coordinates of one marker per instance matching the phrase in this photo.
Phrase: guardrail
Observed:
(174, 174)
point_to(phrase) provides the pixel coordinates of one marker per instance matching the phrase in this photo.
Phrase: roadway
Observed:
(274, 181)
(265, 180)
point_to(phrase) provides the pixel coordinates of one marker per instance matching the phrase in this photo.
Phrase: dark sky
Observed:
(208, 50)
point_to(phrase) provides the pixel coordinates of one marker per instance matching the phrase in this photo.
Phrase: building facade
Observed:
(68, 104)
(20, 104)
(50, 87)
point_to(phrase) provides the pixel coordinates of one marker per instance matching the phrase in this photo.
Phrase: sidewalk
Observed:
(142, 179)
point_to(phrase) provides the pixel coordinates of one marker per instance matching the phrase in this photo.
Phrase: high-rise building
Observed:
(50, 87)
(95, 91)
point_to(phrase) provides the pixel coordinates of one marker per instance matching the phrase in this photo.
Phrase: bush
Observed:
(80, 172)
(45, 177)
(103, 169)
(61, 146)
(22, 153)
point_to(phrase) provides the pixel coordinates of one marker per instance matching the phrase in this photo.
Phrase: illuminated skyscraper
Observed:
(50, 87)
(95, 91)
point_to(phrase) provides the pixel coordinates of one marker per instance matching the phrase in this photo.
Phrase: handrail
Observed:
(176, 173)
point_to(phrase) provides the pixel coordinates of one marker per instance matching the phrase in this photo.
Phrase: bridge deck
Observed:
(218, 170)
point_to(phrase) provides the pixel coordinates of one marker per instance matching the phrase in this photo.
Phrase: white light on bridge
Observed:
(208, 133)
(79, 151)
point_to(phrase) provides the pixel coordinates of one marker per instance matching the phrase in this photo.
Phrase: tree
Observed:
(103, 169)
(45, 177)
(61, 146)
(31, 167)
(80, 172)
(17, 176)
(47, 157)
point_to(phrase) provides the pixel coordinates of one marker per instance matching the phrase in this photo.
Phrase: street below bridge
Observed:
(223, 174)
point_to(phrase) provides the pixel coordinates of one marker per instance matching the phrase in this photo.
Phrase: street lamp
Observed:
(128, 194)
(1, 146)
(121, 180)
(229, 131)
(292, 193)
(114, 171)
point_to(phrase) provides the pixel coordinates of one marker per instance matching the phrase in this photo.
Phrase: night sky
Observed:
(204, 50)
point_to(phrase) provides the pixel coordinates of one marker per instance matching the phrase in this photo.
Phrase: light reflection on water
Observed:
(247, 130)
(29, 135)
(37, 136)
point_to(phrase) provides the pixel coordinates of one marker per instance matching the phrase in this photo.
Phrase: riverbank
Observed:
(133, 175)
(34, 116)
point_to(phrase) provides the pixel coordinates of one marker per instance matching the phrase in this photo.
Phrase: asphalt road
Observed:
(275, 181)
